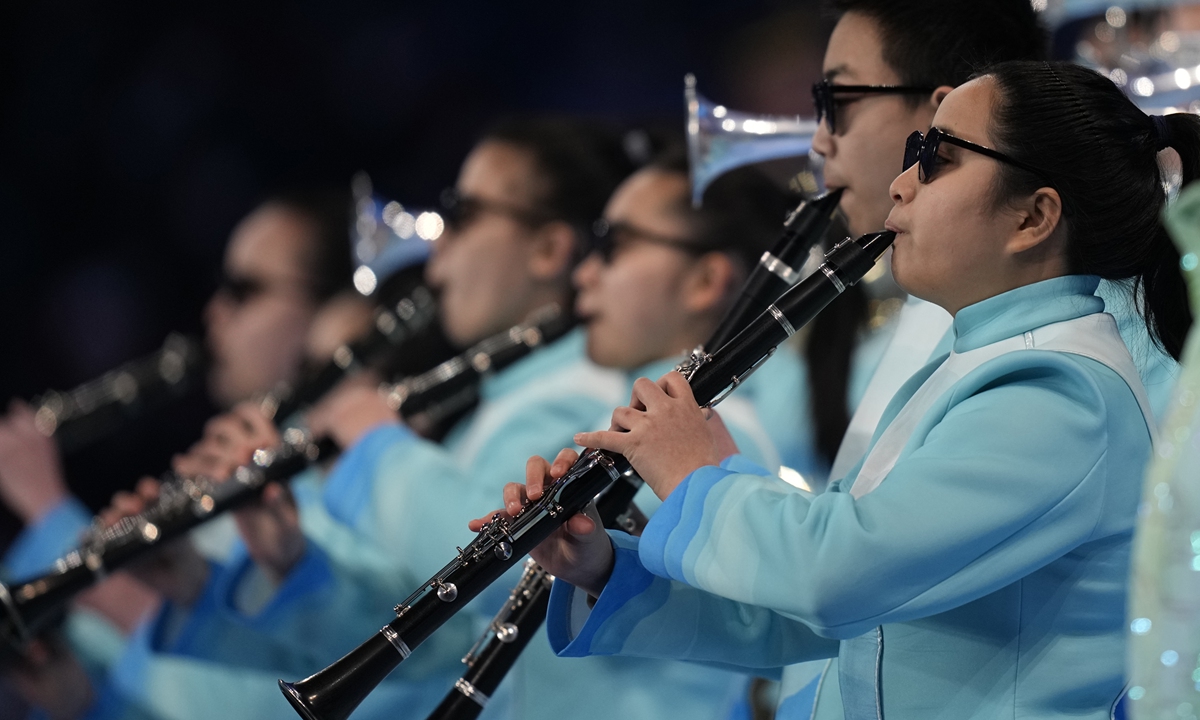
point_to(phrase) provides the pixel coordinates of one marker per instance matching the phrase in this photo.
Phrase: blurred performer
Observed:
(284, 261)
(312, 584)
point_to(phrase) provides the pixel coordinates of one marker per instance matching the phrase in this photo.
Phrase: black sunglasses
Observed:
(460, 210)
(607, 237)
(922, 151)
(826, 102)
(240, 288)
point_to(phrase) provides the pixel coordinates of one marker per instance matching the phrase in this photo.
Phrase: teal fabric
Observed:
(994, 557)
(53, 535)
(1157, 369)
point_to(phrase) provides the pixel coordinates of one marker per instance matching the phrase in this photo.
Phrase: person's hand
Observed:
(579, 552)
(31, 476)
(663, 433)
(351, 410)
(270, 527)
(50, 677)
(175, 569)
(271, 530)
(229, 441)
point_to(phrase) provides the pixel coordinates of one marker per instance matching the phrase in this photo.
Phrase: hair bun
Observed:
(1162, 132)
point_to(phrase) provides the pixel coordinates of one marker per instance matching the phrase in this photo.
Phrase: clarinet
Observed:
(333, 693)
(183, 504)
(92, 410)
(519, 619)
(452, 385)
(394, 326)
(186, 502)
(779, 267)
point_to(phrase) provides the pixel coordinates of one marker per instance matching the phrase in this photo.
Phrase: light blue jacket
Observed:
(985, 578)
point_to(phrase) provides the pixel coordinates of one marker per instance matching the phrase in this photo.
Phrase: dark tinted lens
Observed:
(823, 103)
(239, 289)
(458, 211)
(929, 155)
(912, 149)
(602, 240)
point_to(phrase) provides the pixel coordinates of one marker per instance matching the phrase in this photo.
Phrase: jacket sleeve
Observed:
(641, 614)
(1007, 475)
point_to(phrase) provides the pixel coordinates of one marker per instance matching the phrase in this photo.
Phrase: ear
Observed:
(709, 282)
(1037, 216)
(926, 110)
(553, 251)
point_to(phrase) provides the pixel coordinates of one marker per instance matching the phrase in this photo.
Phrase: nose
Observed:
(217, 313)
(433, 268)
(587, 272)
(904, 186)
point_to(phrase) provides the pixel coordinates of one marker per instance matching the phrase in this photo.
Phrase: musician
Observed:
(974, 564)
(663, 274)
(284, 261)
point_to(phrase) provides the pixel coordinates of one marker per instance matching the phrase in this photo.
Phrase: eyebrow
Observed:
(834, 72)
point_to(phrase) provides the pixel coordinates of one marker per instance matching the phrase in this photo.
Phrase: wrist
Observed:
(278, 569)
(35, 509)
(595, 584)
(193, 577)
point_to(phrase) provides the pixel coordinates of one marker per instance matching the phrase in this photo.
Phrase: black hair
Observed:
(328, 263)
(1100, 152)
(741, 213)
(580, 164)
(943, 42)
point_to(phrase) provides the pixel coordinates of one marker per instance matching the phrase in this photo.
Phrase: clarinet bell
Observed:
(335, 692)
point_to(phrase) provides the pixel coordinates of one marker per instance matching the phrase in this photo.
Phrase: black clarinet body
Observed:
(333, 693)
(515, 625)
(396, 327)
(519, 619)
(447, 387)
(89, 412)
(184, 503)
(779, 268)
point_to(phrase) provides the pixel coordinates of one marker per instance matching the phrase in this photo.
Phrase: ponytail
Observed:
(1101, 153)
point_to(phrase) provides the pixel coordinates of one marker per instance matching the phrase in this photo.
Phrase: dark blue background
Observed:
(133, 135)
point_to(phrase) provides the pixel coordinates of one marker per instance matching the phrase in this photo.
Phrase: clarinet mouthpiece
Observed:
(874, 244)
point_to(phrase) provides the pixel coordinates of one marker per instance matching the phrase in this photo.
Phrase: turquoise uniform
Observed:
(985, 578)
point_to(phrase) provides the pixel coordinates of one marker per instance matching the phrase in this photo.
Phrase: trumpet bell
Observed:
(387, 237)
(720, 139)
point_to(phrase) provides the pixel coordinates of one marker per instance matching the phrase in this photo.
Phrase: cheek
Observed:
(631, 303)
